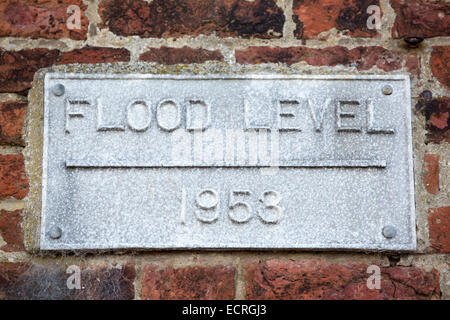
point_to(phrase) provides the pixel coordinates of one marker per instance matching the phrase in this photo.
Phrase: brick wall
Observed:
(316, 36)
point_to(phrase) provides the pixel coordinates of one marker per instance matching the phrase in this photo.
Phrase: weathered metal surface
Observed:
(256, 161)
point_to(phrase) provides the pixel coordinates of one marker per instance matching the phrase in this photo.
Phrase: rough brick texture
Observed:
(313, 17)
(11, 231)
(439, 227)
(41, 19)
(108, 283)
(440, 64)
(12, 117)
(431, 173)
(21, 281)
(363, 58)
(437, 116)
(202, 282)
(185, 54)
(13, 179)
(17, 68)
(94, 55)
(175, 18)
(318, 279)
(421, 18)
(412, 65)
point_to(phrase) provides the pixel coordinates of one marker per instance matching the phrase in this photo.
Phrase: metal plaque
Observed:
(223, 162)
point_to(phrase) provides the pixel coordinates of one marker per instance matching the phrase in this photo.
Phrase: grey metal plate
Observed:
(222, 162)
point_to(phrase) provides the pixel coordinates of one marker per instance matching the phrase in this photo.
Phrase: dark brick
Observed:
(11, 230)
(176, 18)
(108, 283)
(13, 179)
(12, 117)
(20, 281)
(17, 68)
(200, 282)
(318, 279)
(437, 116)
(421, 18)
(40, 19)
(185, 55)
(313, 17)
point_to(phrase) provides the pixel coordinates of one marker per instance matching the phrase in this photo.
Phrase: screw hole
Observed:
(413, 40)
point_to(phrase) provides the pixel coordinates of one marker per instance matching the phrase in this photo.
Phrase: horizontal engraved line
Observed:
(327, 163)
(103, 76)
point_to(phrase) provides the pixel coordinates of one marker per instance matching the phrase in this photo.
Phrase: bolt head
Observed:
(387, 90)
(389, 232)
(58, 89)
(427, 95)
(55, 233)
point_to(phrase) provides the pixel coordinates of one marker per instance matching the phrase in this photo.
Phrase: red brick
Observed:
(12, 117)
(27, 281)
(437, 116)
(363, 57)
(185, 54)
(318, 279)
(94, 55)
(11, 230)
(199, 282)
(176, 18)
(431, 173)
(439, 227)
(13, 179)
(17, 68)
(313, 17)
(440, 64)
(40, 19)
(384, 59)
(412, 64)
(421, 18)
(9, 275)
